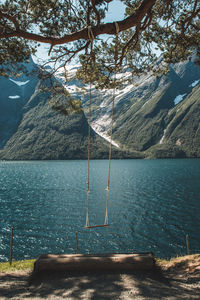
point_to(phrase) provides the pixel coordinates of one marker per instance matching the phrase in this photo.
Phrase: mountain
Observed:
(31, 130)
(158, 116)
(155, 117)
(162, 116)
(14, 94)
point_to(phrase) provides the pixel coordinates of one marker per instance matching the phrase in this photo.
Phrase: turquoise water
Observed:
(153, 205)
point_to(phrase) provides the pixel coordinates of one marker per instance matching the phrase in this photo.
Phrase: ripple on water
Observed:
(152, 206)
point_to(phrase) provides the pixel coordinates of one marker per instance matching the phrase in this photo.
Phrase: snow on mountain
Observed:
(179, 98)
(14, 97)
(18, 82)
(193, 84)
(162, 138)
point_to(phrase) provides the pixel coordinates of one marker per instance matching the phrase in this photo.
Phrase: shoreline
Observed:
(96, 159)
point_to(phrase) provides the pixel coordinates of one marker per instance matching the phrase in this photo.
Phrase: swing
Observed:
(106, 224)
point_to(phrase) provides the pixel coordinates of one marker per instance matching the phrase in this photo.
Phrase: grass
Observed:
(189, 263)
(21, 265)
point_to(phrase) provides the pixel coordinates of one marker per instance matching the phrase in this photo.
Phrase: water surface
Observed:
(153, 204)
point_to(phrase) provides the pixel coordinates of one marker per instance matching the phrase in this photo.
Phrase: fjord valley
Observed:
(155, 117)
(100, 148)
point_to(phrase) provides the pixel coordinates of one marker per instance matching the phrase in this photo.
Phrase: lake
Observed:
(153, 204)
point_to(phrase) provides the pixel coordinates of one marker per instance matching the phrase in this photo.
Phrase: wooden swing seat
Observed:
(95, 226)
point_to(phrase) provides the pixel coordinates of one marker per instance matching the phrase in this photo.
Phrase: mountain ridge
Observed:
(41, 133)
(155, 117)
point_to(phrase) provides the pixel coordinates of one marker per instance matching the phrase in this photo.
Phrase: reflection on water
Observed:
(153, 204)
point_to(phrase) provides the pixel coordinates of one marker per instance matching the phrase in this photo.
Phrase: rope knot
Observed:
(90, 34)
(117, 28)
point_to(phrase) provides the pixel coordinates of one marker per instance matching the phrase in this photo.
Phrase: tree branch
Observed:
(12, 19)
(107, 28)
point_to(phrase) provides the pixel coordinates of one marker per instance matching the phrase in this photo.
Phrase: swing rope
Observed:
(112, 122)
(91, 37)
(88, 180)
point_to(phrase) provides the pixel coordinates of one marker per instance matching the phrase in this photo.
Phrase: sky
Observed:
(115, 12)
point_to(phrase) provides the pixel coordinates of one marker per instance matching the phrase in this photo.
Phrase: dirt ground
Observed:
(180, 280)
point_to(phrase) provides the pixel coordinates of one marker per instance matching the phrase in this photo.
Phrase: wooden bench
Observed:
(95, 262)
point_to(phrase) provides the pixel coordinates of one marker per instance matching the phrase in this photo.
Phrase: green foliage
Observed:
(172, 27)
